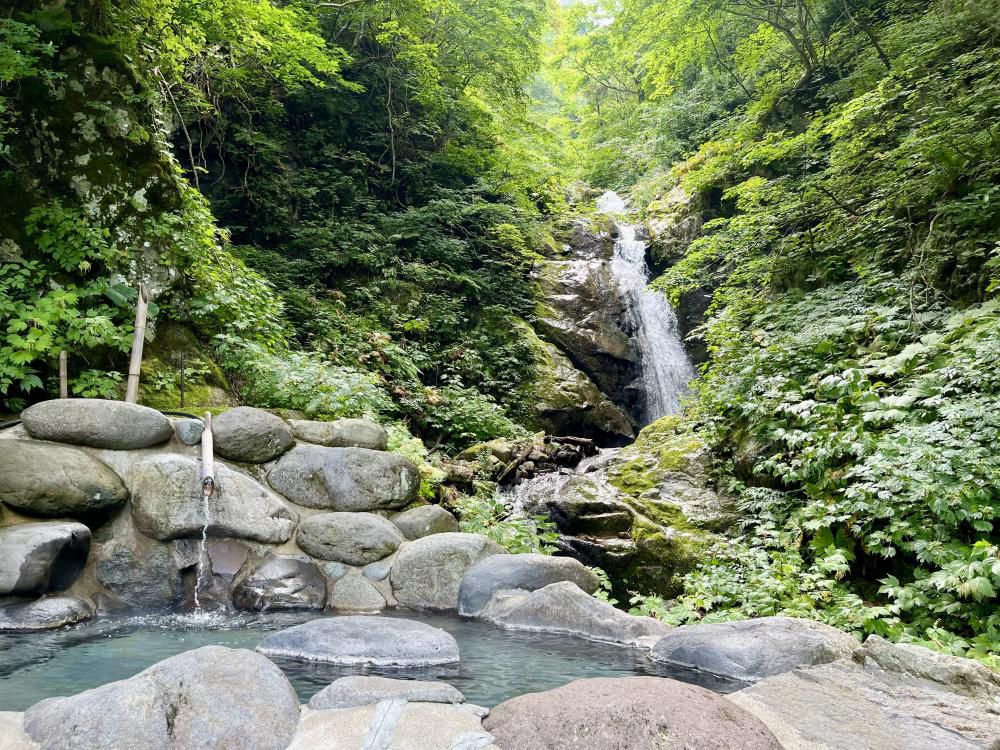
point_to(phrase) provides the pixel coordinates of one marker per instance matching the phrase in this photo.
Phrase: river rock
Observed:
(564, 607)
(44, 614)
(46, 480)
(524, 572)
(427, 573)
(251, 435)
(749, 650)
(189, 430)
(393, 724)
(12, 736)
(424, 521)
(355, 593)
(342, 433)
(362, 639)
(352, 538)
(626, 713)
(890, 697)
(365, 690)
(345, 479)
(281, 582)
(167, 503)
(97, 423)
(140, 572)
(40, 557)
(205, 699)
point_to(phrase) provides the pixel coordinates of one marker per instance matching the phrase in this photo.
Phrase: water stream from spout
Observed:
(202, 551)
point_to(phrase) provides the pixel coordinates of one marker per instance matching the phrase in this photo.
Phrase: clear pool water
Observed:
(496, 664)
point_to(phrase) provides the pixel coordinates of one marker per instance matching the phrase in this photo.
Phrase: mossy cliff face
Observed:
(205, 385)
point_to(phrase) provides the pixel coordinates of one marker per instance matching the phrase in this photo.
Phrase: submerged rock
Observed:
(523, 572)
(355, 593)
(428, 572)
(360, 639)
(345, 479)
(342, 433)
(424, 521)
(40, 557)
(633, 713)
(251, 435)
(44, 614)
(205, 699)
(364, 690)
(749, 650)
(97, 423)
(54, 480)
(351, 538)
(167, 503)
(565, 608)
(281, 582)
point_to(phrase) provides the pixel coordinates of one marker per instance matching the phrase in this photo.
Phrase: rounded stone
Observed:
(352, 538)
(525, 572)
(189, 430)
(427, 573)
(345, 479)
(46, 480)
(341, 433)
(424, 521)
(40, 557)
(638, 713)
(363, 639)
(355, 593)
(281, 582)
(251, 435)
(365, 690)
(47, 613)
(97, 423)
(208, 698)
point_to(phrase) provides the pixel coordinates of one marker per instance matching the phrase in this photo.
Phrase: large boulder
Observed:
(345, 479)
(251, 435)
(362, 639)
(43, 614)
(97, 423)
(564, 607)
(524, 572)
(427, 573)
(140, 572)
(352, 538)
(365, 690)
(393, 724)
(167, 503)
(626, 713)
(341, 433)
(208, 698)
(425, 520)
(890, 697)
(12, 736)
(46, 480)
(40, 557)
(281, 582)
(355, 593)
(749, 650)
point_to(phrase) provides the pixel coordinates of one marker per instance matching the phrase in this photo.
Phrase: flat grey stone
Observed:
(341, 433)
(351, 538)
(362, 639)
(281, 582)
(40, 557)
(97, 423)
(355, 593)
(44, 614)
(251, 435)
(424, 521)
(750, 650)
(523, 572)
(565, 608)
(205, 699)
(345, 479)
(40, 479)
(427, 572)
(189, 430)
(167, 503)
(335, 570)
(364, 690)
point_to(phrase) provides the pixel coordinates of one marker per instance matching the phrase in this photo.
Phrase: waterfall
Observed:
(664, 364)
(201, 570)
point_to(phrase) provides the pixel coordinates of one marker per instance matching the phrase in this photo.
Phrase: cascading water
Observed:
(666, 369)
(201, 570)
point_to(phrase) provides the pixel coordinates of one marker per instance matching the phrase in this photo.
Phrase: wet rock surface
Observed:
(341, 433)
(46, 613)
(523, 572)
(251, 435)
(281, 582)
(356, 593)
(40, 557)
(364, 690)
(351, 538)
(428, 572)
(97, 423)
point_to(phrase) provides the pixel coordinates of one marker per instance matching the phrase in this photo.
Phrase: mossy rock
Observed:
(205, 385)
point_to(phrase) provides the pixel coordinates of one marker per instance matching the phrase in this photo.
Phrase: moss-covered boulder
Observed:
(172, 346)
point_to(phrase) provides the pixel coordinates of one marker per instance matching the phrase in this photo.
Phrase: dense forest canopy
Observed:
(351, 198)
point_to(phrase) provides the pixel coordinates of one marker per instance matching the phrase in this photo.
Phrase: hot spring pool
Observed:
(496, 664)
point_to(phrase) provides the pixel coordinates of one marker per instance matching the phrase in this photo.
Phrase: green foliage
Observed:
(487, 513)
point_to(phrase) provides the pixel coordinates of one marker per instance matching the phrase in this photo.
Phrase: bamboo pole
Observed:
(138, 337)
(207, 457)
(63, 375)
